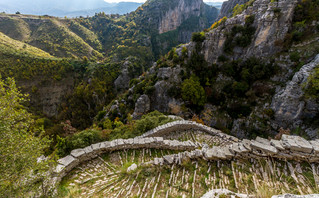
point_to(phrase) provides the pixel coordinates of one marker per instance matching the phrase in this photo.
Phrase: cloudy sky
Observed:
(115, 1)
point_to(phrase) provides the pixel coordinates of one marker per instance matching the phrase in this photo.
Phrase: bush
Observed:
(198, 37)
(192, 91)
(245, 33)
(312, 89)
(79, 140)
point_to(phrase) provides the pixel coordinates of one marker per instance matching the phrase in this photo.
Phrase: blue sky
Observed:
(116, 1)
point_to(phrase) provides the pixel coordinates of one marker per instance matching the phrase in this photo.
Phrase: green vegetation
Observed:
(198, 37)
(238, 9)
(305, 13)
(312, 87)
(11, 46)
(21, 143)
(240, 36)
(110, 130)
(192, 91)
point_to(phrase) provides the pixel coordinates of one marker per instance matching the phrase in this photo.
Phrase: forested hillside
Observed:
(72, 68)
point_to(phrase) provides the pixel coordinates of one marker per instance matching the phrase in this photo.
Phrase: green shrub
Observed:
(277, 11)
(312, 88)
(79, 140)
(193, 91)
(294, 57)
(240, 35)
(198, 37)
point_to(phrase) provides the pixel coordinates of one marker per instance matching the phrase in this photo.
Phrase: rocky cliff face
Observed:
(291, 106)
(47, 95)
(184, 16)
(269, 26)
(175, 16)
(228, 6)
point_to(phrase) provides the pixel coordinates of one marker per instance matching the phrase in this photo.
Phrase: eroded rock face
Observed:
(142, 106)
(123, 81)
(289, 104)
(47, 94)
(228, 6)
(269, 29)
(175, 16)
(183, 10)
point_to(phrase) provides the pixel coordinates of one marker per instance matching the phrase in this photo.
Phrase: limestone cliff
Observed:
(175, 21)
(228, 6)
(175, 16)
(269, 27)
(46, 95)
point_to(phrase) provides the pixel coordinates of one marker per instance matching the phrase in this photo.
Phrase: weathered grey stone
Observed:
(105, 146)
(226, 152)
(59, 169)
(247, 144)
(169, 159)
(88, 149)
(277, 144)
(133, 167)
(288, 104)
(68, 162)
(142, 106)
(215, 193)
(263, 140)
(96, 147)
(315, 145)
(238, 148)
(215, 153)
(296, 143)
(267, 148)
(78, 153)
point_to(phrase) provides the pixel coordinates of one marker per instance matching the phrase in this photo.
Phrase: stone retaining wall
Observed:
(288, 148)
(184, 125)
(78, 156)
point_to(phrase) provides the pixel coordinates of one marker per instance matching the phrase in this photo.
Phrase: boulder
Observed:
(142, 106)
(133, 167)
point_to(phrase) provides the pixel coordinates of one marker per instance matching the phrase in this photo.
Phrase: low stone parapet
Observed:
(184, 125)
(288, 148)
(78, 156)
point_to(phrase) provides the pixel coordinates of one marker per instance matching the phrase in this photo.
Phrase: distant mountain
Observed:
(215, 4)
(70, 8)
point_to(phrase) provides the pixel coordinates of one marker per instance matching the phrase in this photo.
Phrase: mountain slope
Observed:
(229, 76)
(11, 46)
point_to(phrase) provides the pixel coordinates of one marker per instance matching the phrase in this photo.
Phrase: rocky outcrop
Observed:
(267, 32)
(290, 105)
(228, 6)
(142, 106)
(122, 82)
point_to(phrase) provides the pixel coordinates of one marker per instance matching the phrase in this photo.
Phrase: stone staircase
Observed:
(179, 162)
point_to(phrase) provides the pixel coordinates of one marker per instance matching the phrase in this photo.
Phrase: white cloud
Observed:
(142, 1)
